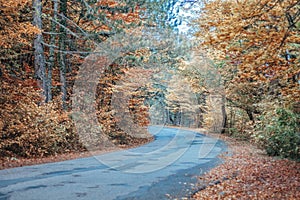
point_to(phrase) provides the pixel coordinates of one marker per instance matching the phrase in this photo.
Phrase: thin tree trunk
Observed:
(39, 57)
(51, 49)
(250, 114)
(224, 114)
(63, 80)
(62, 47)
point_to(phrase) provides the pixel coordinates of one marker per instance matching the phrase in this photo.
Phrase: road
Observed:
(163, 169)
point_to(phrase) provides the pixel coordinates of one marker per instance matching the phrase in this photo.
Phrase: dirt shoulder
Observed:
(248, 173)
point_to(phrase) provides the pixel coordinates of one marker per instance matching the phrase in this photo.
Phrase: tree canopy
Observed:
(255, 46)
(256, 42)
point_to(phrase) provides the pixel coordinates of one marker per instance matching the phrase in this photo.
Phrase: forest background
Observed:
(250, 47)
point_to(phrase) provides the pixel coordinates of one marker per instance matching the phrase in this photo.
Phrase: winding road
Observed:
(166, 168)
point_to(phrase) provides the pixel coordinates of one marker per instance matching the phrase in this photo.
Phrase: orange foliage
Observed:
(258, 40)
(14, 30)
(28, 129)
(113, 11)
(116, 117)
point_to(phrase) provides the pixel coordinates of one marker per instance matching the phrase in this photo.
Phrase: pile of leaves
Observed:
(249, 174)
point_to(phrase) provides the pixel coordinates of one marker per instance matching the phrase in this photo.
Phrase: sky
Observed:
(183, 12)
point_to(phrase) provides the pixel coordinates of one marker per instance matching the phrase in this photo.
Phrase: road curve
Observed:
(163, 169)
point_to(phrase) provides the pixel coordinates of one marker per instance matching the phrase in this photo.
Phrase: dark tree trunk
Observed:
(224, 114)
(62, 47)
(39, 57)
(250, 115)
(51, 49)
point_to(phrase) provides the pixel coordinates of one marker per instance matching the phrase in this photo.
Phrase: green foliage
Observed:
(278, 132)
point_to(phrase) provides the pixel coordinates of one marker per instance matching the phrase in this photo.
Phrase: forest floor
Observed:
(248, 173)
(10, 162)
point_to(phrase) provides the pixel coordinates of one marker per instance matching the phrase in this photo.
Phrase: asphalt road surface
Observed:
(166, 168)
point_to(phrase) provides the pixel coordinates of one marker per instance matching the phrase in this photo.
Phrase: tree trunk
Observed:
(250, 114)
(51, 49)
(224, 114)
(62, 47)
(39, 57)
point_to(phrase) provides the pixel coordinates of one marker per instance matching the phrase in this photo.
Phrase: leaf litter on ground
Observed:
(248, 173)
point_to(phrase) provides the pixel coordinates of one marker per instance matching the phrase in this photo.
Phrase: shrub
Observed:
(28, 129)
(278, 133)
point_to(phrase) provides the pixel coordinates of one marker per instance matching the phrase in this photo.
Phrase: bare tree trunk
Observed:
(62, 47)
(39, 57)
(51, 49)
(63, 80)
(224, 114)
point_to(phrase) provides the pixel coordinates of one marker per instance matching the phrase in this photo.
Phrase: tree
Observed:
(52, 41)
(64, 33)
(13, 27)
(39, 57)
(206, 84)
(62, 46)
(16, 34)
(257, 45)
(182, 102)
